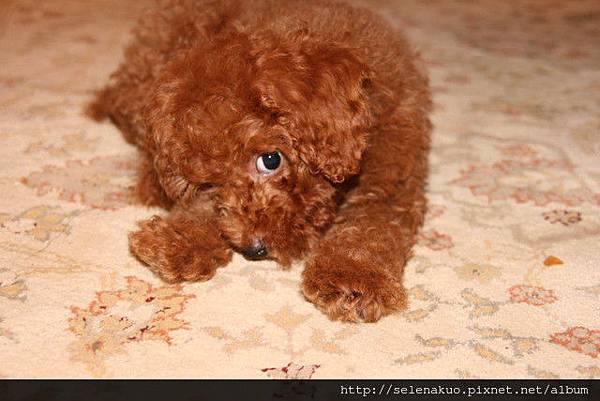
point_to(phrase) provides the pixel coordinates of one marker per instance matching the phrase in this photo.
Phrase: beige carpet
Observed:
(506, 277)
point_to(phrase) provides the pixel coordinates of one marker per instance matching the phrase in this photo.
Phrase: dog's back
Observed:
(168, 31)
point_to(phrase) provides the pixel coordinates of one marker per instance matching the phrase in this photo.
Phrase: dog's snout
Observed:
(256, 251)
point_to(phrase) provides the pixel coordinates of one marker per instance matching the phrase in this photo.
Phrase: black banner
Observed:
(326, 390)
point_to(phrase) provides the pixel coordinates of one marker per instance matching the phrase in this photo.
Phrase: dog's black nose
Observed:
(256, 251)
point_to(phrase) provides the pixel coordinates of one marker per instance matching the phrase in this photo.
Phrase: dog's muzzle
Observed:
(256, 251)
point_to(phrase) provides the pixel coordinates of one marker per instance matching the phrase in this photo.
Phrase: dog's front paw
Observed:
(178, 251)
(345, 289)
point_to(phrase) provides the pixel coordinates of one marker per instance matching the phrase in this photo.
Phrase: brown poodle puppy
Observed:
(284, 130)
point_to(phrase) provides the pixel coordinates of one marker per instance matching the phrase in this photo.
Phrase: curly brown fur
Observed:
(207, 87)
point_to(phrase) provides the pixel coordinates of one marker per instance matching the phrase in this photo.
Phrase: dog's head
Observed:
(267, 127)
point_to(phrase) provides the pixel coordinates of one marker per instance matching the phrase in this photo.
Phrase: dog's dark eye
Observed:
(268, 162)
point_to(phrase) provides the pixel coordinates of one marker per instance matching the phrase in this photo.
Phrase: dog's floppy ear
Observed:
(164, 142)
(321, 91)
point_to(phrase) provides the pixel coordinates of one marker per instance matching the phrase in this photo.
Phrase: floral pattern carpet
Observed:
(505, 281)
